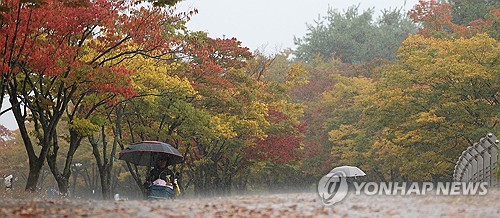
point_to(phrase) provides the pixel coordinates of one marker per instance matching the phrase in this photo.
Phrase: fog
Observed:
(271, 25)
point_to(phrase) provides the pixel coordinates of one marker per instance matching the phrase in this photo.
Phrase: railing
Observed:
(479, 162)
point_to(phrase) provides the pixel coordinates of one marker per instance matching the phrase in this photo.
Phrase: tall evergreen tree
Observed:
(355, 37)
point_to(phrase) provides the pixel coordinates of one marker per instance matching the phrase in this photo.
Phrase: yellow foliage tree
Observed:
(440, 97)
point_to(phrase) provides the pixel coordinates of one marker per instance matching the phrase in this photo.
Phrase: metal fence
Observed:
(479, 162)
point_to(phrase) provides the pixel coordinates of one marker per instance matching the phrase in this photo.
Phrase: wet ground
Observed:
(271, 205)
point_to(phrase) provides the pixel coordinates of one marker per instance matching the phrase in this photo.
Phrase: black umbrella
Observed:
(146, 153)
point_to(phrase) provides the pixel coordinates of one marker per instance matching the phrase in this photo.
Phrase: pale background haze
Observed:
(270, 25)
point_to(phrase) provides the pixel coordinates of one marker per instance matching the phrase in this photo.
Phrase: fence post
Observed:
(492, 142)
(478, 162)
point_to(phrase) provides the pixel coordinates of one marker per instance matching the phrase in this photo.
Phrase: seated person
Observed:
(161, 181)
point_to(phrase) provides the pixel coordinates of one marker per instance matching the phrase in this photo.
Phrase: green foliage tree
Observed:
(466, 11)
(354, 37)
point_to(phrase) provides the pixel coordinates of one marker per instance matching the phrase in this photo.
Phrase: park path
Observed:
(268, 205)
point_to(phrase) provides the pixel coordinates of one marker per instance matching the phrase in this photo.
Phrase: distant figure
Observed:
(8, 182)
(52, 192)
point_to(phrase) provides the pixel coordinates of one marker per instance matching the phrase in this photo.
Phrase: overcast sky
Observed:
(271, 24)
(267, 25)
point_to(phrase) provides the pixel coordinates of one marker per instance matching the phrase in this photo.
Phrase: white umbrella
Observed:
(346, 171)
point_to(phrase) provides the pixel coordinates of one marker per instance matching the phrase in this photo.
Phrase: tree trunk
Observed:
(33, 175)
(35, 162)
(105, 186)
(63, 178)
(105, 161)
(44, 128)
(63, 185)
(106, 178)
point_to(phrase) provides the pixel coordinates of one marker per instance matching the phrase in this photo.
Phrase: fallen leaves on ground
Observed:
(270, 205)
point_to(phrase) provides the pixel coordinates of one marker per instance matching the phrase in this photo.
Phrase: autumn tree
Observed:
(162, 106)
(384, 117)
(412, 121)
(447, 20)
(350, 133)
(236, 115)
(436, 20)
(32, 42)
(167, 29)
(203, 105)
(317, 80)
(409, 120)
(282, 147)
(84, 57)
(441, 96)
(10, 54)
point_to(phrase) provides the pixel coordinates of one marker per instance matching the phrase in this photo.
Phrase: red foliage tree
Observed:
(283, 144)
(212, 59)
(212, 68)
(56, 53)
(436, 19)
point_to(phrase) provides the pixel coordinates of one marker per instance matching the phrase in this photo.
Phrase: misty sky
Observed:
(267, 25)
(271, 24)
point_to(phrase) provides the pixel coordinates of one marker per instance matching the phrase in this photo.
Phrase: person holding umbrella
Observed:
(161, 181)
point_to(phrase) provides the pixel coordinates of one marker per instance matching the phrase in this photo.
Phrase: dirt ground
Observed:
(269, 205)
